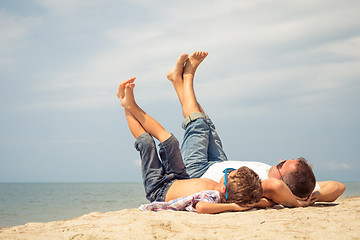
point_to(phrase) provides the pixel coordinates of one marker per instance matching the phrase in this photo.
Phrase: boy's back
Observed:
(187, 187)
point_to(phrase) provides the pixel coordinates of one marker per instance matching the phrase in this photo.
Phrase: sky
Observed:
(281, 81)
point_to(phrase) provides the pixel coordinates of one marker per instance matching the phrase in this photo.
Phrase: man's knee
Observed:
(192, 119)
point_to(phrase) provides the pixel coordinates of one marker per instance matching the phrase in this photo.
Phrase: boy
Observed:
(167, 183)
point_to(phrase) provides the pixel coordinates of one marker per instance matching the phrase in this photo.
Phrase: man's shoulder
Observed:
(238, 164)
(215, 171)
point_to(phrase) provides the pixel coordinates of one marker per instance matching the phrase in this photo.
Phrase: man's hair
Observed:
(244, 187)
(301, 181)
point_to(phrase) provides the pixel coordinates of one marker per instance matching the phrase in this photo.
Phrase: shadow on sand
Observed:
(322, 205)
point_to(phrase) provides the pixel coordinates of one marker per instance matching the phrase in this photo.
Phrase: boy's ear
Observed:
(223, 189)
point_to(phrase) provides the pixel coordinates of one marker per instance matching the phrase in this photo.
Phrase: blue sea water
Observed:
(43, 202)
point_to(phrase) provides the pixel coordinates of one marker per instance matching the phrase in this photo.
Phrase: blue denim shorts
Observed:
(201, 146)
(158, 176)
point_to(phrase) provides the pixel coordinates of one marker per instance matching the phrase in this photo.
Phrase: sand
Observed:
(338, 220)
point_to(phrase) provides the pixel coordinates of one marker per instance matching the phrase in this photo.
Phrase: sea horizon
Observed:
(22, 202)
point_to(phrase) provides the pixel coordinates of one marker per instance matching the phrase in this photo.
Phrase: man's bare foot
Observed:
(193, 62)
(176, 73)
(126, 94)
(189, 103)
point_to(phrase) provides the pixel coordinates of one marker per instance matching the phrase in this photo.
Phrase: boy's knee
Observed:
(172, 140)
(145, 141)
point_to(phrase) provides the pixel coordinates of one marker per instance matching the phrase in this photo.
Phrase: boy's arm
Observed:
(277, 191)
(329, 191)
(206, 207)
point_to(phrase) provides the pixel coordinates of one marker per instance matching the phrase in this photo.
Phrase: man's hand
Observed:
(314, 197)
(278, 192)
(304, 202)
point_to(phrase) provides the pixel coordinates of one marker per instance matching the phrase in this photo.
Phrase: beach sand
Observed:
(338, 220)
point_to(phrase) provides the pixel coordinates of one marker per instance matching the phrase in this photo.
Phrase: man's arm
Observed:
(277, 191)
(329, 191)
(264, 203)
(206, 207)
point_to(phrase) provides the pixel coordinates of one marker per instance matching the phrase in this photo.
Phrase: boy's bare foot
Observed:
(129, 100)
(193, 62)
(126, 94)
(121, 90)
(176, 73)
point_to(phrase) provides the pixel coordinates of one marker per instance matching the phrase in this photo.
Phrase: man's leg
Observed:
(175, 75)
(201, 145)
(190, 103)
(198, 130)
(182, 79)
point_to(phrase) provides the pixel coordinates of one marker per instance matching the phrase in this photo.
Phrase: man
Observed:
(276, 176)
(290, 183)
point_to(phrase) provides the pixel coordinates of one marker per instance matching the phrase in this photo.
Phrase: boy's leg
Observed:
(135, 127)
(151, 168)
(149, 124)
(157, 176)
(171, 159)
(152, 171)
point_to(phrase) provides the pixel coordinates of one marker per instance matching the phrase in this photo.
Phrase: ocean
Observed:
(43, 202)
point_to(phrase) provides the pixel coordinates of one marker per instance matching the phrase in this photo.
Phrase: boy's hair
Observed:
(244, 187)
(301, 181)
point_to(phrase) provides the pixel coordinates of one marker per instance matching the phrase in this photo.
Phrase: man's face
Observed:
(288, 166)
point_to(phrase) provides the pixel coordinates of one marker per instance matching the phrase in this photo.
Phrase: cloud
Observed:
(259, 54)
(66, 8)
(335, 166)
(265, 62)
(14, 32)
(24, 141)
(137, 162)
(348, 48)
(267, 49)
